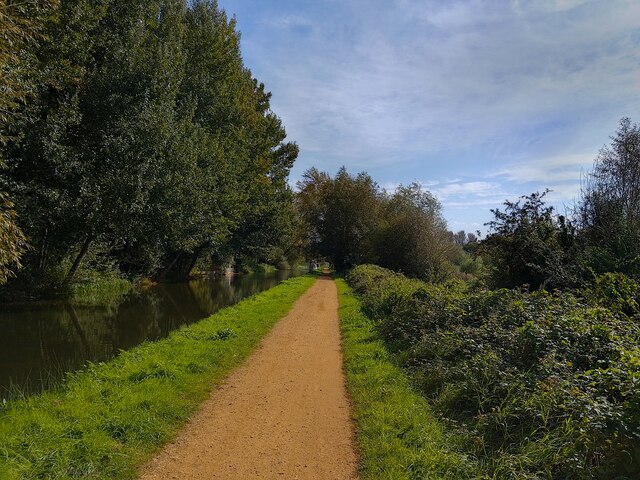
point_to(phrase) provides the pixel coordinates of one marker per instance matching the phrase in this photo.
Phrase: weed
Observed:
(397, 433)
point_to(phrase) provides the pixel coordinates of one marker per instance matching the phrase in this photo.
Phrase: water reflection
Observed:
(40, 342)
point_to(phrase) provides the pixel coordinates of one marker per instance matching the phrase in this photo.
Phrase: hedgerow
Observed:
(542, 385)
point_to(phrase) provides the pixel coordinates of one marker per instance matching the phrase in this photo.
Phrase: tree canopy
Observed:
(144, 139)
(351, 221)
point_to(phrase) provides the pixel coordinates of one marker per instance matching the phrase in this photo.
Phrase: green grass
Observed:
(110, 418)
(398, 436)
(265, 268)
(99, 292)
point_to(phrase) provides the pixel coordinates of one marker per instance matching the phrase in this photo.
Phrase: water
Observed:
(40, 342)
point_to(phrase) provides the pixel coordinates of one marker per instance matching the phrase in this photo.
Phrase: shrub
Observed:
(543, 385)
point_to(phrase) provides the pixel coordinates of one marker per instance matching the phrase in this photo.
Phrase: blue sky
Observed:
(478, 100)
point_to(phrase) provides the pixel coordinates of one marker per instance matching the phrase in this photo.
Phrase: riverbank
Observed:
(398, 436)
(110, 418)
(41, 341)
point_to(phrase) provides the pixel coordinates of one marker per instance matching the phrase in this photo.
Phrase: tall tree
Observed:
(148, 140)
(21, 25)
(414, 239)
(609, 210)
(343, 212)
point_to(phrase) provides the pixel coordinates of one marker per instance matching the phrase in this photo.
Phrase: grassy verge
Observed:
(397, 435)
(108, 419)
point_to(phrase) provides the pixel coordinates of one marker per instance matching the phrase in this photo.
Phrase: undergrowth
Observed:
(539, 385)
(398, 436)
(100, 292)
(106, 420)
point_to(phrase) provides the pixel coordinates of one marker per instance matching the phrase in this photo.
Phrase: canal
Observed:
(40, 342)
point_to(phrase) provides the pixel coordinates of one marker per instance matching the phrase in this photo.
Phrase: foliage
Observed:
(616, 292)
(397, 433)
(146, 134)
(21, 24)
(414, 237)
(351, 221)
(609, 211)
(341, 214)
(12, 240)
(542, 385)
(99, 291)
(107, 420)
(529, 245)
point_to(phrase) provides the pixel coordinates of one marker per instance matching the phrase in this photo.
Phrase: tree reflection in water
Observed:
(40, 342)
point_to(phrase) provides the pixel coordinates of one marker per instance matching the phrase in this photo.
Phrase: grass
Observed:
(398, 436)
(99, 292)
(105, 421)
(265, 268)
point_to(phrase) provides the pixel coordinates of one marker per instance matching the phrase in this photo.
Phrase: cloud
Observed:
(550, 170)
(465, 189)
(517, 94)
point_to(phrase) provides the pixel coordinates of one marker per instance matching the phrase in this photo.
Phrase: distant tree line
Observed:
(134, 138)
(351, 220)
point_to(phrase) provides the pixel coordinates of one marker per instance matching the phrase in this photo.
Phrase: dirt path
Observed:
(284, 414)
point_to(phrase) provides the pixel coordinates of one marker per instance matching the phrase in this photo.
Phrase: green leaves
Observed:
(12, 241)
(350, 220)
(150, 135)
(529, 245)
(542, 385)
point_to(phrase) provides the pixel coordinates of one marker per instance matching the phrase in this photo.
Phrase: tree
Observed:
(608, 213)
(149, 141)
(529, 245)
(351, 221)
(414, 239)
(343, 215)
(12, 240)
(310, 202)
(21, 24)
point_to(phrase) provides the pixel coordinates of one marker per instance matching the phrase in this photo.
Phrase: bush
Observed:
(543, 385)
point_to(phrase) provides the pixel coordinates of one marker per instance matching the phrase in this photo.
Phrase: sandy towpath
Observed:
(284, 414)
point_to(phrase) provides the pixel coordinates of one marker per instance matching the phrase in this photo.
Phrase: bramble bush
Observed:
(543, 385)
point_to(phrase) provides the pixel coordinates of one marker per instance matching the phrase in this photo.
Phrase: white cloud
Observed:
(552, 170)
(465, 189)
(430, 89)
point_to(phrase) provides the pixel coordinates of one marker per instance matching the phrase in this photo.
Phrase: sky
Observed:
(480, 101)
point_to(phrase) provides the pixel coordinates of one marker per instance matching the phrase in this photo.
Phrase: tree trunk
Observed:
(75, 320)
(180, 268)
(194, 259)
(165, 272)
(78, 260)
(43, 250)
